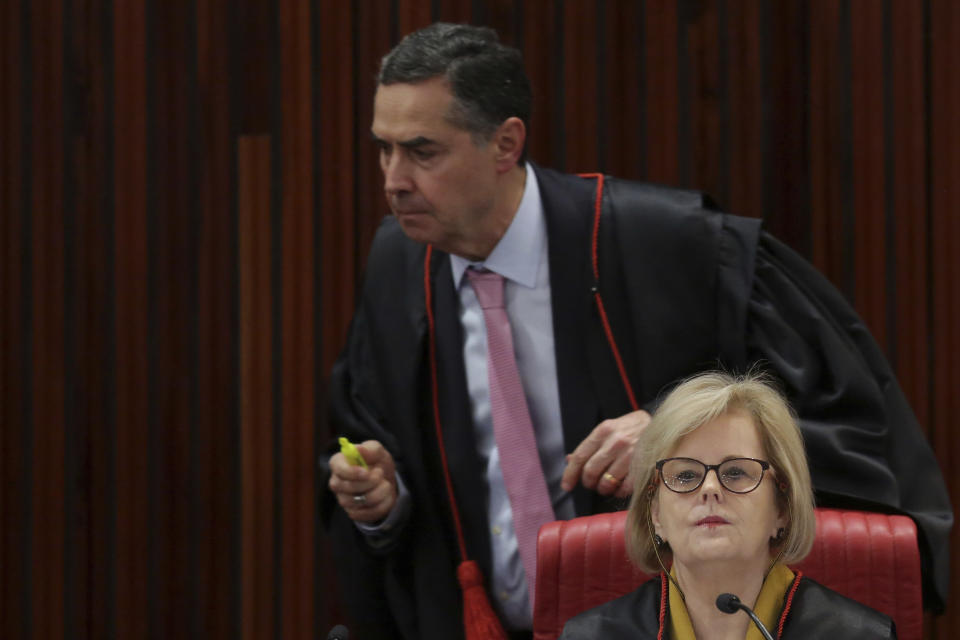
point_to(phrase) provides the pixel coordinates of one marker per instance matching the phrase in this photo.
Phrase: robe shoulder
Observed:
(819, 612)
(629, 617)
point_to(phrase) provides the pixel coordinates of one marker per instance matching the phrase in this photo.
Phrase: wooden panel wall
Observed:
(188, 192)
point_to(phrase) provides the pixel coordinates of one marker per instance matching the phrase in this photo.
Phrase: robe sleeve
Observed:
(355, 414)
(864, 445)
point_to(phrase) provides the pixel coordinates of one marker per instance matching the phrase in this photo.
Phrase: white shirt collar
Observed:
(517, 255)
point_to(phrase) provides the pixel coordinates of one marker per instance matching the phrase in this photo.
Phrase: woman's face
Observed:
(712, 524)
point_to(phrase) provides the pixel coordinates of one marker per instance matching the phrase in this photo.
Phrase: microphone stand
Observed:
(729, 603)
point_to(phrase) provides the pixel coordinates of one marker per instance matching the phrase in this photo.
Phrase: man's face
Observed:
(439, 183)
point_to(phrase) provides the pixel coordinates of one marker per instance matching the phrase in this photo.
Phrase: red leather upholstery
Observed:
(870, 557)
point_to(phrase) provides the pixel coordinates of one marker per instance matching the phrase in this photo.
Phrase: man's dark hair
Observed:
(486, 77)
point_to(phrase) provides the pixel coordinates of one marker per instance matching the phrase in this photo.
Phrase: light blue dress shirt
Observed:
(521, 258)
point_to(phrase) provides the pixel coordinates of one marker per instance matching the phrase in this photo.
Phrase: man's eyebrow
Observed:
(419, 141)
(412, 143)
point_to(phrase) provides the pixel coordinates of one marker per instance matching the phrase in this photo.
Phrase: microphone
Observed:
(729, 603)
(339, 632)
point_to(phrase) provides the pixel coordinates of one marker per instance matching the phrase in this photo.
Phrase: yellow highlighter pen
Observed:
(351, 453)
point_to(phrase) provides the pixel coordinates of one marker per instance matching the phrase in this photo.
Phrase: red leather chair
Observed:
(870, 557)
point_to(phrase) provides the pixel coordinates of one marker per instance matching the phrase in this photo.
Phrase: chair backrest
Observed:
(870, 557)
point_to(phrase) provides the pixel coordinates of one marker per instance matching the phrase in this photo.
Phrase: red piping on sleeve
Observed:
(788, 603)
(594, 250)
(435, 394)
(664, 592)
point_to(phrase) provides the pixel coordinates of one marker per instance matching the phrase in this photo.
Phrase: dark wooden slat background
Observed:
(188, 193)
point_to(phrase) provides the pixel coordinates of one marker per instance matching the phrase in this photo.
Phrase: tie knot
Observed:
(488, 287)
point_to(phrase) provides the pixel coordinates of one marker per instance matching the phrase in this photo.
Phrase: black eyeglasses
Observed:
(738, 475)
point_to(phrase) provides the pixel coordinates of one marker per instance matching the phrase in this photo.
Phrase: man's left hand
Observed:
(602, 461)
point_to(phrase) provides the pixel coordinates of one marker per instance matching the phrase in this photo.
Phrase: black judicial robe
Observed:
(814, 612)
(686, 288)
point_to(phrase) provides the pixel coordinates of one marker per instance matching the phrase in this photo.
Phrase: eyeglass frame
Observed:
(764, 465)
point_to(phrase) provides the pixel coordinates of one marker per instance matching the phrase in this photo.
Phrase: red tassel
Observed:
(479, 620)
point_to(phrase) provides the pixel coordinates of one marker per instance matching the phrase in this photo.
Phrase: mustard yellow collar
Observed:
(768, 608)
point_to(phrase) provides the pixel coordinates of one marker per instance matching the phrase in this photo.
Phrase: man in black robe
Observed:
(647, 285)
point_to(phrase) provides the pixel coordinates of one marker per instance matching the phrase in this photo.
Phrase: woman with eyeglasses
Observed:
(722, 492)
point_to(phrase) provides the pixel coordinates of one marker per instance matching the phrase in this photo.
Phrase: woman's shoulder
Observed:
(634, 615)
(816, 611)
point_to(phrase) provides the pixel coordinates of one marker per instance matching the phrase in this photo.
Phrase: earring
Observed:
(781, 532)
(657, 540)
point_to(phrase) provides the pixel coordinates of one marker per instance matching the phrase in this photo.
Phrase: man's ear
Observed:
(508, 141)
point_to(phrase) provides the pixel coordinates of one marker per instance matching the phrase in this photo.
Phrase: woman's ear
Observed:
(782, 524)
(782, 503)
(655, 513)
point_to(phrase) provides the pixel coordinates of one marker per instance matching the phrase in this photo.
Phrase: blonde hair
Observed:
(695, 402)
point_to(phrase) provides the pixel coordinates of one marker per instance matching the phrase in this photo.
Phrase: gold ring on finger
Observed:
(609, 477)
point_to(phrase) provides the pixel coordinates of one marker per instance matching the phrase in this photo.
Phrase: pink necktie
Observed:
(512, 429)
